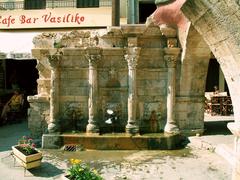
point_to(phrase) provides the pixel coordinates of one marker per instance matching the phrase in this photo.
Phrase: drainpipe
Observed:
(115, 12)
(132, 12)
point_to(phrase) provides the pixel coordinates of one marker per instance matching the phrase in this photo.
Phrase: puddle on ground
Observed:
(116, 159)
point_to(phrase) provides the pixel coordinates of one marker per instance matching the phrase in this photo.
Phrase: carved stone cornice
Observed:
(171, 61)
(132, 57)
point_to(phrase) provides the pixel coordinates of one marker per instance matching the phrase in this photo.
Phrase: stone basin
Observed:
(114, 141)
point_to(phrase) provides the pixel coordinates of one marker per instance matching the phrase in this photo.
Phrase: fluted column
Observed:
(93, 55)
(132, 58)
(171, 126)
(54, 61)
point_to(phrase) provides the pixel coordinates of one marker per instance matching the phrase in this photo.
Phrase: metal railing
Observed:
(50, 4)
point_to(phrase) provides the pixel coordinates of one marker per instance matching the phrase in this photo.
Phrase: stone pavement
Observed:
(197, 161)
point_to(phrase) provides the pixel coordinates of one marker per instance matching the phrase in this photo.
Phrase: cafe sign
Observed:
(55, 18)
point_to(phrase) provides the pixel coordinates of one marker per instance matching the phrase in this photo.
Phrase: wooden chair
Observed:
(227, 108)
(216, 106)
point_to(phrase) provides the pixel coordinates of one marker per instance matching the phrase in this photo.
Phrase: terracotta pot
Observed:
(27, 161)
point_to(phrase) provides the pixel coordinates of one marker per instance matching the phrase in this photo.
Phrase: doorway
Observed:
(22, 74)
(145, 10)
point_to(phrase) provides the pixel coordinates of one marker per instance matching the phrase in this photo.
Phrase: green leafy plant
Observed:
(81, 171)
(26, 145)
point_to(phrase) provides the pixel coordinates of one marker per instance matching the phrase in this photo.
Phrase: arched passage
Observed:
(218, 23)
(194, 67)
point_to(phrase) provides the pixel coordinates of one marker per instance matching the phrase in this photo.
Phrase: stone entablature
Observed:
(126, 69)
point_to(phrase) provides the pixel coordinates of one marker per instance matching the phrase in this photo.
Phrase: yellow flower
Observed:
(72, 161)
(77, 161)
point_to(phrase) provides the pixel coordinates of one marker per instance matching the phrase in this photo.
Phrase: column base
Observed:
(52, 128)
(171, 129)
(92, 128)
(132, 129)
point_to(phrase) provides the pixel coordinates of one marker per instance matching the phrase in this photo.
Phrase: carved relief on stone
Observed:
(77, 39)
(132, 57)
(131, 60)
(93, 56)
(43, 87)
(93, 59)
(73, 112)
(41, 70)
(54, 59)
(152, 116)
(172, 42)
(113, 78)
(44, 40)
(170, 60)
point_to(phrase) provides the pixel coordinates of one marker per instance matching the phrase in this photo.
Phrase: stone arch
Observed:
(195, 59)
(194, 66)
(218, 23)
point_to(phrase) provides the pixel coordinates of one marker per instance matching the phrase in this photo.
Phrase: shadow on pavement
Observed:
(45, 170)
(216, 128)
(11, 133)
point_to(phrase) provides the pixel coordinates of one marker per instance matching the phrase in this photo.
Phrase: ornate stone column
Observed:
(54, 61)
(171, 126)
(93, 55)
(132, 58)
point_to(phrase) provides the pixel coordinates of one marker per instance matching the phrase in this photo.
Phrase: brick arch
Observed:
(218, 24)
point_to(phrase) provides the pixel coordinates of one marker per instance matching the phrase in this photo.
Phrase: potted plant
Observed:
(80, 171)
(26, 153)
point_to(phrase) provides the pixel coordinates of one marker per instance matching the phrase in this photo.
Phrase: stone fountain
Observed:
(130, 69)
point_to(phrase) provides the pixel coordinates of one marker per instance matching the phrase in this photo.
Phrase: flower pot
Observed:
(27, 161)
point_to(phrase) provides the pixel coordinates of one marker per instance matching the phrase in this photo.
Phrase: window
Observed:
(10, 4)
(87, 3)
(34, 4)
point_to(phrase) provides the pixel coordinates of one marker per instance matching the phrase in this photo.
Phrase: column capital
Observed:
(171, 61)
(93, 55)
(132, 57)
(93, 59)
(55, 59)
